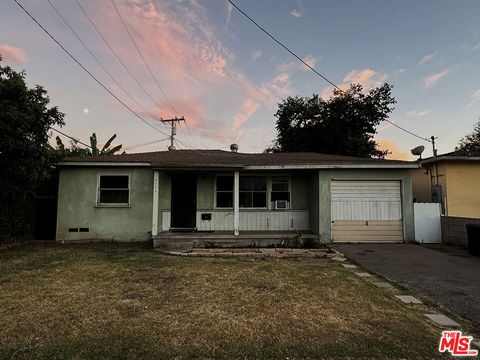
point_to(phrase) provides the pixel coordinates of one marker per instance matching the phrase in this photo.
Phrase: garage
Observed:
(366, 211)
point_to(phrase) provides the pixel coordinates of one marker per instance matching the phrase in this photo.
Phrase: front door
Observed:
(184, 201)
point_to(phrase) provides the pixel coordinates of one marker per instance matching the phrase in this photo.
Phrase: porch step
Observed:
(186, 241)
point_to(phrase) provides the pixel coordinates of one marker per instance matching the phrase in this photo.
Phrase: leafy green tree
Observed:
(25, 157)
(60, 151)
(342, 125)
(471, 142)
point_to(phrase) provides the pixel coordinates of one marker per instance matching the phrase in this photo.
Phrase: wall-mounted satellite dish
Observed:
(418, 151)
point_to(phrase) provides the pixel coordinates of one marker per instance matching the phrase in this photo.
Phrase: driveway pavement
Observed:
(447, 275)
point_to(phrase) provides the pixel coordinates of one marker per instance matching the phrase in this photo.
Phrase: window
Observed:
(280, 188)
(253, 192)
(113, 190)
(224, 191)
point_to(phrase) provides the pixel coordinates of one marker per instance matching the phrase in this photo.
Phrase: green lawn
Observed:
(127, 301)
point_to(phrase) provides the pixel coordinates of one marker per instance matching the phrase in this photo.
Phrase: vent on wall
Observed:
(78, 229)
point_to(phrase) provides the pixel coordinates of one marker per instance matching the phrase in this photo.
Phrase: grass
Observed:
(126, 301)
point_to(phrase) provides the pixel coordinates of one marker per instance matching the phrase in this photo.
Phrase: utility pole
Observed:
(173, 123)
(433, 144)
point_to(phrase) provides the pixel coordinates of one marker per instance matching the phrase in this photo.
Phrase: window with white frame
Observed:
(253, 192)
(224, 192)
(280, 189)
(113, 190)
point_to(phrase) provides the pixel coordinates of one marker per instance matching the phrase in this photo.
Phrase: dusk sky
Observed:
(226, 77)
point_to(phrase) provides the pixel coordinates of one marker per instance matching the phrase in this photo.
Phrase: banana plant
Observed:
(106, 150)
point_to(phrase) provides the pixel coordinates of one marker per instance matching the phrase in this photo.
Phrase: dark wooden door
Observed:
(184, 201)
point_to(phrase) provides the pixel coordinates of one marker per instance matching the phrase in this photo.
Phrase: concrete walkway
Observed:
(447, 275)
(262, 253)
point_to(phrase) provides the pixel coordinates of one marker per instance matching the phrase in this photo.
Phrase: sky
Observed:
(226, 77)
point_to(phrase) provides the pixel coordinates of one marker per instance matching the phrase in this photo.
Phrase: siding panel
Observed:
(256, 221)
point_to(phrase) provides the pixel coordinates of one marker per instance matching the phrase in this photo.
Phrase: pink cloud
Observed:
(432, 80)
(180, 46)
(417, 114)
(475, 98)
(194, 68)
(296, 13)
(428, 58)
(248, 108)
(191, 109)
(296, 65)
(13, 54)
(256, 54)
(397, 153)
(368, 78)
(229, 13)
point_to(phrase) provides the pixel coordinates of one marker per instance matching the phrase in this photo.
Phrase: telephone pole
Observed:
(433, 144)
(173, 123)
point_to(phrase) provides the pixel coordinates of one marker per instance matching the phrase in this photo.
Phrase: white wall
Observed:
(290, 220)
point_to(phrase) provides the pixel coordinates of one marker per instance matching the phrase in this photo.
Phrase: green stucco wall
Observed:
(300, 190)
(314, 202)
(205, 191)
(77, 206)
(325, 177)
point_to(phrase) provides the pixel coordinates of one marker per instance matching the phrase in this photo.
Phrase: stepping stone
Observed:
(363, 274)
(407, 299)
(339, 258)
(383, 285)
(442, 320)
(349, 266)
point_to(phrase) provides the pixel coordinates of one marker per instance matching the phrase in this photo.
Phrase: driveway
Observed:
(447, 275)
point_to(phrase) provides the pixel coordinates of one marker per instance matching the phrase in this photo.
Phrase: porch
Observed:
(220, 204)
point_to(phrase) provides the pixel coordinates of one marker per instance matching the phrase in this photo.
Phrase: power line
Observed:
(87, 71)
(96, 58)
(99, 32)
(172, 107)
(70, 137)
(115, 53)
(308, 66)
(144, 144)
(407, 131)
(282, 45)
(143, 59)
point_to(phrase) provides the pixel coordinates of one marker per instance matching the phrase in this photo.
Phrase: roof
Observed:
(453, 156)
(191, 159)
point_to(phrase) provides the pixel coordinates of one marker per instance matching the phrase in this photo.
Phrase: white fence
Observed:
(428, 228)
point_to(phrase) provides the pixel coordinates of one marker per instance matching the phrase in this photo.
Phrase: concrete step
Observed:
(187, 241)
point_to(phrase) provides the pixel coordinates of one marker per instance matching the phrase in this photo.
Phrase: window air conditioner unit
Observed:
(282, 205)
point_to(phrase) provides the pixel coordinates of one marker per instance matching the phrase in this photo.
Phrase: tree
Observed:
(343, 125)
(471, 142)
(106, 150)
(61, 151)
(25, 121)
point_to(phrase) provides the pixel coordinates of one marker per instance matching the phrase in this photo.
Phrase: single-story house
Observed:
(139, 196)
(450, 179)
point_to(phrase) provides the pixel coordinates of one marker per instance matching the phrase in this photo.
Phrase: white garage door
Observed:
(366, 211)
